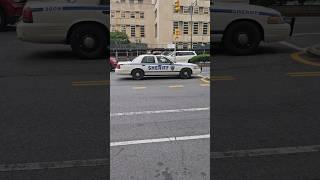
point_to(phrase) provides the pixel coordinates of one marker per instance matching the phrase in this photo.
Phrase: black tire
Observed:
(89, 41)
(137, 74)
(185, 73)
(242, 38)
(3, 23)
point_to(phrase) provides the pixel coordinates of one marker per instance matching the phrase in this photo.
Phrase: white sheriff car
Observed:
(84, 24)
(241, 27)
(156, 65)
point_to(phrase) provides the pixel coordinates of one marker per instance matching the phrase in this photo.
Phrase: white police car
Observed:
(241, 27)
(156, 65)
(84, 24)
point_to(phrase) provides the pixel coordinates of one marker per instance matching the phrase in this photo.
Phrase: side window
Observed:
(163, 60)
(148, 59)
(179, 54)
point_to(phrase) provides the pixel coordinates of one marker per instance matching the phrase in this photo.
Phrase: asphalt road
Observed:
(160, 128)
(47, 120)
(265, 116)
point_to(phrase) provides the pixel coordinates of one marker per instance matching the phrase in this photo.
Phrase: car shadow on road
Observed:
(157, 78)
(55, 55)
(9, 29)
(263, 49)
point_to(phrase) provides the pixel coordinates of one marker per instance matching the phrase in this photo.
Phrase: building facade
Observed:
(154, 22)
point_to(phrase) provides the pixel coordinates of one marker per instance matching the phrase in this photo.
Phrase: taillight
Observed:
(118, 66)
(27, 15)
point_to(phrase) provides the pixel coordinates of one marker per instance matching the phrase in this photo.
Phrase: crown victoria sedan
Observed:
(156, 65)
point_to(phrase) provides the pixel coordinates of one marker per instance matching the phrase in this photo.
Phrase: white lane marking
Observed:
(265, 152)
(176, 86)
(290, 45)
(139, 87)
(53, 165)
(159, 111)
(168, 139)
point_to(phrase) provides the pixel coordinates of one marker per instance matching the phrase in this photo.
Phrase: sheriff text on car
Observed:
(156, 65)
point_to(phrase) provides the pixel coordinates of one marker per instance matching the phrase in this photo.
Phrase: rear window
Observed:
(185, 53)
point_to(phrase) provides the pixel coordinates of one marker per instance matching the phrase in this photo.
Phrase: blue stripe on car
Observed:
(233, 11)
(75, 8)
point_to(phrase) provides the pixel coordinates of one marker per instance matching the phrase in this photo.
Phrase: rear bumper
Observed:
(41, 33)
(122, 72)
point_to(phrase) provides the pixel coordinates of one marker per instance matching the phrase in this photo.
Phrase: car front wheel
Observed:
(89, 41)
(185, 73)
(242, 38)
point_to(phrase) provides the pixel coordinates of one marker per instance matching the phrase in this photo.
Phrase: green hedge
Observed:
(200, 58)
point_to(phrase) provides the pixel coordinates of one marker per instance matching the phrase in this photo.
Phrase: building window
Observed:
(123, 1)
(196, 10)
(131, 1)
(113, 28)
(185, 28)
(137, 14)
(156, 13)
(205, 28)
(132, 15)
(185, 45)
(175, 26)
(140, 1)
(123, 28)
(142, 31)
(195, 28)
(186, 9)
(205, 10)
(117, 14)
(112, 14)
(194, 45)
(200, 10)
(133, 31)
(127, 14)
(141, 15)
(123, 14)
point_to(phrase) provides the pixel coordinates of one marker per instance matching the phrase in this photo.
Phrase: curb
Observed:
(314, 50)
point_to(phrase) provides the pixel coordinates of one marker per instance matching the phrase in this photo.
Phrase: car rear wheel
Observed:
(2, 20)
(137, 74)
(242, 38)
(89, 41)
(185, 73)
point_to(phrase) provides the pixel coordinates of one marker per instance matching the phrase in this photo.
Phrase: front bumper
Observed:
(276, 32)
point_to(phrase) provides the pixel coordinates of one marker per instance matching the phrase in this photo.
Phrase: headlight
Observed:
(275, 20)
(196, 67)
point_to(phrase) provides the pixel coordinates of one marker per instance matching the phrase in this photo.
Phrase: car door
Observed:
(148, 65)
(165, 66)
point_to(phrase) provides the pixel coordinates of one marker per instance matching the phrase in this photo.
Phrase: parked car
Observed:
(113, 63)
(181, 56)
(10, 12)
(156, 65)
